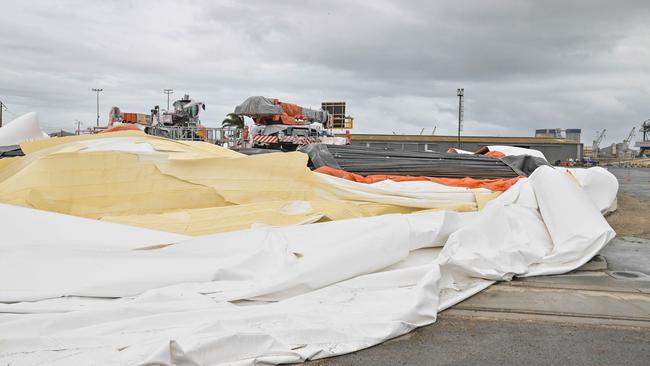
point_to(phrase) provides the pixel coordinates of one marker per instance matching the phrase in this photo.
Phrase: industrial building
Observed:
(553, 148)
(558, 133)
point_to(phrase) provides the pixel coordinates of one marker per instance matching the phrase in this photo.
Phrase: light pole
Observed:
(4, 107)
(168, 92)
(460, 93)
(96, 90)
(78, 122)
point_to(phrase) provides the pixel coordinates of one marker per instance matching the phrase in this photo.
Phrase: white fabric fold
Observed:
(279, 295)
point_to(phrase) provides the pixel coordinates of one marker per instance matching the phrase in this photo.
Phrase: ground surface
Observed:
(597, 315)
(633, 215)
(465, 341)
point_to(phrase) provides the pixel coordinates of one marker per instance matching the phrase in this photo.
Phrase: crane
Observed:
(630, 136)
(596, 144)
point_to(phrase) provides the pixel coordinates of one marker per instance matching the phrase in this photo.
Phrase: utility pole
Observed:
(2, 107)
(168, 92)
(460, 93)
(78, 122)
(97, 91)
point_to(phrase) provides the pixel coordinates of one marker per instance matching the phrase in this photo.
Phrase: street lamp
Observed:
(78, 123)
(460, 93)
(168, 92)
(97, 91)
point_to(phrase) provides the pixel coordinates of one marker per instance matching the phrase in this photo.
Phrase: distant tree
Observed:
(233, 120)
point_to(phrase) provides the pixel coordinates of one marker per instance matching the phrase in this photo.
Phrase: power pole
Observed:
(460, 93)
(97, 90)
(78, 122)
(2, 107)
(168, 92)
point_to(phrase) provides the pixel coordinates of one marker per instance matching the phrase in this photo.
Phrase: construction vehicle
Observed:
(285, 126)
(180, 123)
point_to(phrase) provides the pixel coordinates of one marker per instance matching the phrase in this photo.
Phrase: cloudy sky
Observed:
(523, 64)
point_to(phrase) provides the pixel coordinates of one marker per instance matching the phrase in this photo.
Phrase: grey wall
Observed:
(552, 152)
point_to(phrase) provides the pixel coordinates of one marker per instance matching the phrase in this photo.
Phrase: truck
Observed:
(285, 126)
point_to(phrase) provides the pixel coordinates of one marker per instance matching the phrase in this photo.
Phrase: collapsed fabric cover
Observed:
(82, 290)
(373, 161)
(74, 290)
(257, 151)
(23, 128)
(122, 127)
(121, 176)
(453, 150)
(491, 184)
(10, 151)
(524, 165)
(258, 105)
(514, 150)
(319, 156)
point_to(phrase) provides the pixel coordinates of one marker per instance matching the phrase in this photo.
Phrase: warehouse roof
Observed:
(478, 139)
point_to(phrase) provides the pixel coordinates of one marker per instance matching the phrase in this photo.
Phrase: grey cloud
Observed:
(523, 64)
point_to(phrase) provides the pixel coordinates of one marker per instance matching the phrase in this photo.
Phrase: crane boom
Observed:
(631, 135)
(599, 139)
(596, 145)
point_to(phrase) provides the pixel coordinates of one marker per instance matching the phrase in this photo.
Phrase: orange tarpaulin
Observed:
(291, 113)
(123, 127)
(495, 154)
(501, 184)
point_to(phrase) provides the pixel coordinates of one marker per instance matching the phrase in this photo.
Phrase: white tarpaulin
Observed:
(23, 128)
(276, 294)
(514, 150)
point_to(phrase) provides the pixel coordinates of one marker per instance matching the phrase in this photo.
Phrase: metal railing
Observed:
(213, 135)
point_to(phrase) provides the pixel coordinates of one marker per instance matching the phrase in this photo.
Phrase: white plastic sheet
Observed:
(514, 150)
(23, 128)
(279, 295)
(421, 194)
